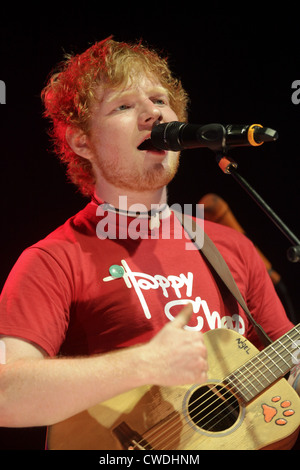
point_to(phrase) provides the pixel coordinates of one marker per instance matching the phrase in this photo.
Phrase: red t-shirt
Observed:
(64, 293)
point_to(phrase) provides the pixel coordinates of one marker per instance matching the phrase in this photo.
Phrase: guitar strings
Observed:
(158, 440)
(187, 429)
(165, 439)
(227, 385)
(227, 390)
(230, 405)
(257, 358)
(215, 423)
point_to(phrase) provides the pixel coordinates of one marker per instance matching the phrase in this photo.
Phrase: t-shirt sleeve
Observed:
(253, 280)
(35, 301)
(262, 299)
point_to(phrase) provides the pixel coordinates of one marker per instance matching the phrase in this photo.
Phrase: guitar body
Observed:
(193, 417)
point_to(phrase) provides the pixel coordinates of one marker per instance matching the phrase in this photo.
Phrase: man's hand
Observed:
(177, 356)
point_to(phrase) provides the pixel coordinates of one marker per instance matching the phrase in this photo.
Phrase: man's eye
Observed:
(122, 107)
(160, 101)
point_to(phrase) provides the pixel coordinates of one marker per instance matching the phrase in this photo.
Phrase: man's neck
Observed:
(116, 197)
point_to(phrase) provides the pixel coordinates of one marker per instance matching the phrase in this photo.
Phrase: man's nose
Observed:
(150, 113)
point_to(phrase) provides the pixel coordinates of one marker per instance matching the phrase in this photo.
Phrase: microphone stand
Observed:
(229, 166)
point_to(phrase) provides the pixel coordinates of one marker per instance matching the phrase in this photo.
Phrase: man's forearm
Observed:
(38, 392)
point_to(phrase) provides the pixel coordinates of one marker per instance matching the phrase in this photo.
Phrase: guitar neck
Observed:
(272, 363)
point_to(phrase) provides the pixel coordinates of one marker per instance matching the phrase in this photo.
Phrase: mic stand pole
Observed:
(229, 166)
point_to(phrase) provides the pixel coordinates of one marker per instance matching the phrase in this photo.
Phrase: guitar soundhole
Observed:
(213, 408)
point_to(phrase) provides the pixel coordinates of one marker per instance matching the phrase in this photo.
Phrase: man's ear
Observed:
(79, 143)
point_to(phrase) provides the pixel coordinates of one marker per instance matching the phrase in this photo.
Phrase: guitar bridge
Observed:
(130, 439)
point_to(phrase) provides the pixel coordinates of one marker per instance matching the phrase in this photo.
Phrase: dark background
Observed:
(238, 64)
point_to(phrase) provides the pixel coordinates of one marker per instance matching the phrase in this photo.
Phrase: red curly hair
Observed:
(71, 91)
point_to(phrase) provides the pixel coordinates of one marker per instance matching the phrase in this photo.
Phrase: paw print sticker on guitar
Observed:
(270, 412)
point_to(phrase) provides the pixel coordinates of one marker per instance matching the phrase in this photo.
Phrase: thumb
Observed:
(184, 316)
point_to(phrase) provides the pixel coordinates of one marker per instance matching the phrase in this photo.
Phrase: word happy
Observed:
(144, 282)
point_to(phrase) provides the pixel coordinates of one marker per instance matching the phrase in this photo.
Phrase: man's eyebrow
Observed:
(156, 90)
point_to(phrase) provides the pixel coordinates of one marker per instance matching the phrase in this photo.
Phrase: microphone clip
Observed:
(226, 163)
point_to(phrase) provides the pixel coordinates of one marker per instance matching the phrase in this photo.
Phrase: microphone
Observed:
(217, 210)
(179, 136)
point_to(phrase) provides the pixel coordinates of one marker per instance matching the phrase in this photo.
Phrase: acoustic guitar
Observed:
(245, 404)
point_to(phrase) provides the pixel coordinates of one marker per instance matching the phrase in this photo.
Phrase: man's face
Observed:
(120, 122)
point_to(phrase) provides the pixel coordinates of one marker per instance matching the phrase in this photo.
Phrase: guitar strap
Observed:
(217, 262)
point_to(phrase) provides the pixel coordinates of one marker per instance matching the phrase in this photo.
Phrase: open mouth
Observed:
(148, 145)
